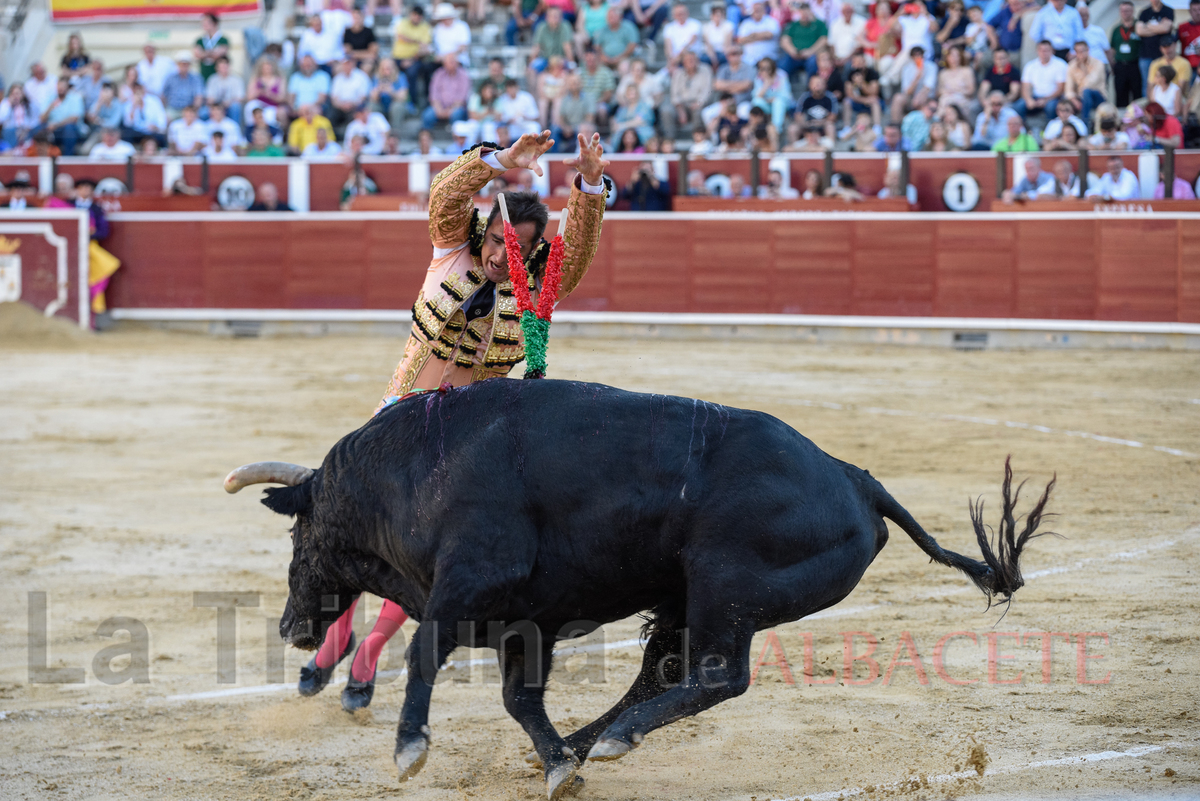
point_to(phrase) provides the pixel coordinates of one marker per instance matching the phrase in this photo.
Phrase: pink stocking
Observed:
(391, 617)
(336, 638)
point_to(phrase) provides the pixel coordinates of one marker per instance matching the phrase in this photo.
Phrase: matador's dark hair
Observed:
(523, 207)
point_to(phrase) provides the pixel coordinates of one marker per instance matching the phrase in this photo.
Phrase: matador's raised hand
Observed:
(523, 153)
(590, 162)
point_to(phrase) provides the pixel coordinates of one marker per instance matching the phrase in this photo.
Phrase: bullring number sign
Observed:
(235, 193)
(961, 192)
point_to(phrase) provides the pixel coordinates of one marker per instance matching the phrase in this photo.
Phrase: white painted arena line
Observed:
(986, 421)
(1081, 759)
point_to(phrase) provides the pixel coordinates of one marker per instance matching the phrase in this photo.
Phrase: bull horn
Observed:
(267, 473)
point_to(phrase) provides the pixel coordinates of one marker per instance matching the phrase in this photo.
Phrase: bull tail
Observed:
(999, 574)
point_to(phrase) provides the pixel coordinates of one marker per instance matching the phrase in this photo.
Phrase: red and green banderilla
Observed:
(535, 320)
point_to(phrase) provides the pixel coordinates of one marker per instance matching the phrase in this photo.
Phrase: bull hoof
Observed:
(560, 781)
(606, 750)
(411, 758)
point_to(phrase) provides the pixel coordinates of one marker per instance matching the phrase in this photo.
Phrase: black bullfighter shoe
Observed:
(313, 679)
(358, 694)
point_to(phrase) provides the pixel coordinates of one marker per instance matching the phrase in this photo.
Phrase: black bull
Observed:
(554, 502)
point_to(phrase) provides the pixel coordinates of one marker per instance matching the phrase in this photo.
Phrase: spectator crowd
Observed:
(764, 75)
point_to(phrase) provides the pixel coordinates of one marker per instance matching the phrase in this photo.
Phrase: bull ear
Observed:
(289, 501)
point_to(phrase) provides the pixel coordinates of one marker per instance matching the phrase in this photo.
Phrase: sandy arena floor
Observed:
(113, 450)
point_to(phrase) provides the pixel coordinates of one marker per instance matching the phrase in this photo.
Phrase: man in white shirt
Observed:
(1095, 36)
(219, 121)
(41, 89)
(323, 148)
(153, 70)
(110, 147)
(218, 150)
(681, 33)
(1043, 82)
(317, 41)
(450, 34)
(758, 35)
(348, 90)
(1116, 184)
(845, 32)
(371, 126)
(917, 27)
(188, 135)
(518, 111)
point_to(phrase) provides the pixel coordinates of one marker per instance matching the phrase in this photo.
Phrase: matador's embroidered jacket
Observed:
(444, 347)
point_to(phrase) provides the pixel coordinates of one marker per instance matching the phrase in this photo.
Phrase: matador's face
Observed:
(493, 256)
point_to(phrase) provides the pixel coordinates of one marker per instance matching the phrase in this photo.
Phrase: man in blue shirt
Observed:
(1008, 27)
(1059, 24)
(992, 123)
(62, 118)
(893, 140)
(182, 89)
(309, 86)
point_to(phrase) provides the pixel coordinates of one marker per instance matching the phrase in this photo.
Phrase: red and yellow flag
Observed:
(115, 10)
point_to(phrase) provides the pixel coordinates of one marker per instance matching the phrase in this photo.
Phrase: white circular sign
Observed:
(961, 192)
(110, 186)
(235, 193)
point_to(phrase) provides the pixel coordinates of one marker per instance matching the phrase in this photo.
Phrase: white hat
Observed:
(184, 55)
(461, 128)
(444, 11)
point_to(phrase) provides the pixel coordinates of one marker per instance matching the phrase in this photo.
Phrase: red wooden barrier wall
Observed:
(1082, 266)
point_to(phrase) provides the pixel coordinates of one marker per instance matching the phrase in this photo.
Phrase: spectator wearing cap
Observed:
(308, 86)
(153, 70)
(616, 40)
(1034, 184)
(266, 198)
(680, 35)
(182, 88)
(1117, 183)
(322, 44)
(350, 88)
(1170, 57)
(225, 88)
(187, 135)
(1087, 82)
(218, 149)
(1017, 139)
(758, 34)
(63, 117)
(144, 117)
(372, 126)
(451, 36)
(412, 44)
(1155, 23)
(1043, 82)
(111, 147)
(322, 147)
(1060, 25)
(303, 130)
(1064, 119)
(449, 90)
(1124, 49)
(211, 46)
